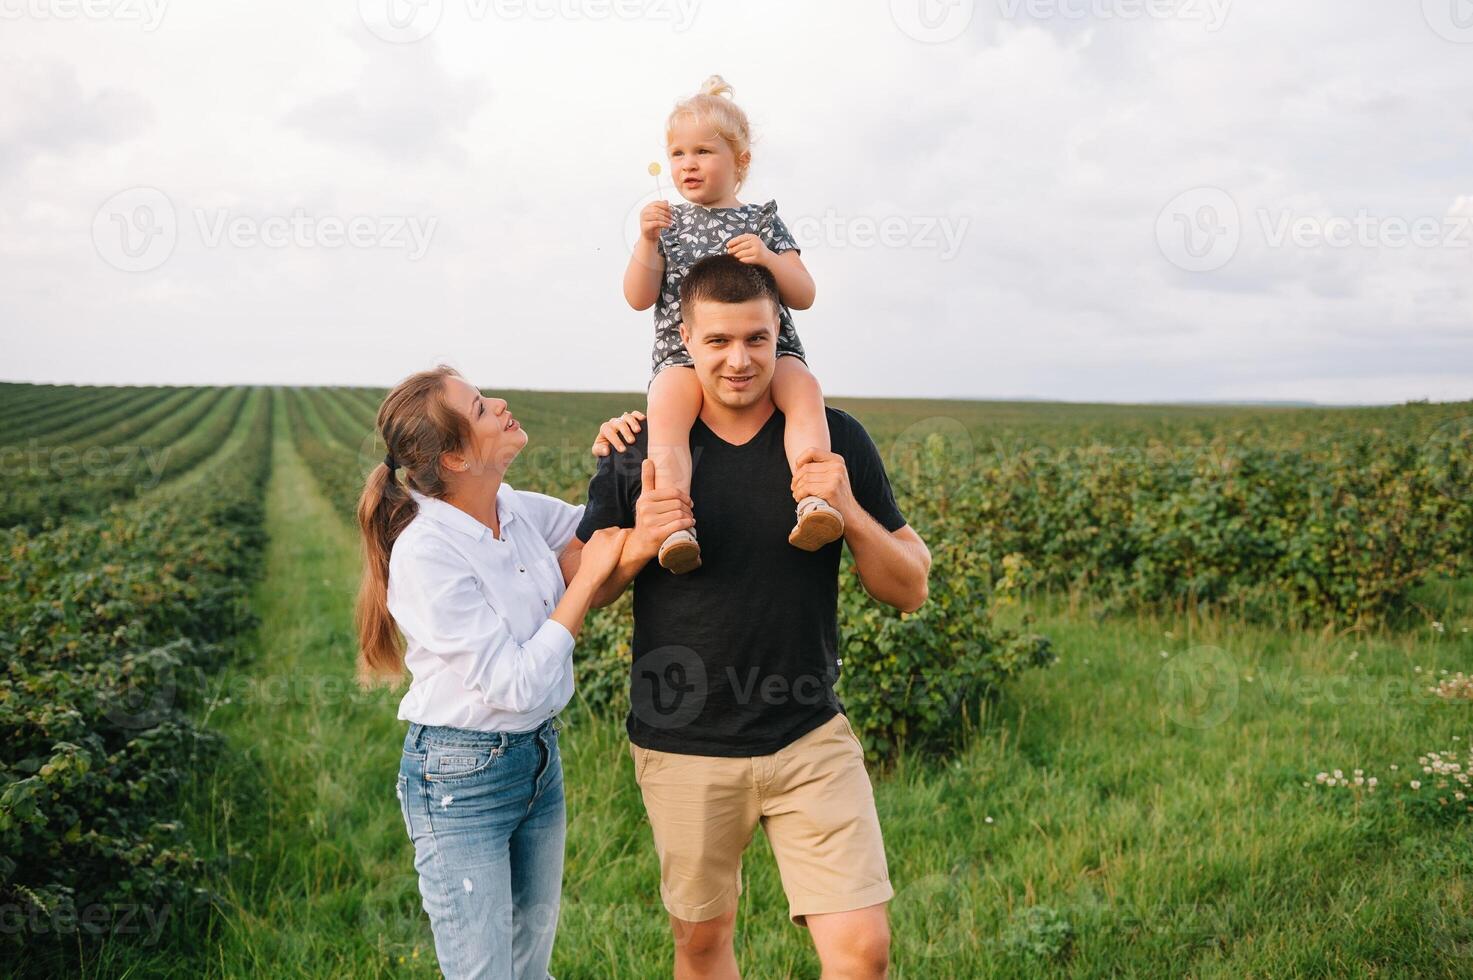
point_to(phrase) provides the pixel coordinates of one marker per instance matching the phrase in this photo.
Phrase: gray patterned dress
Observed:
(696, 233)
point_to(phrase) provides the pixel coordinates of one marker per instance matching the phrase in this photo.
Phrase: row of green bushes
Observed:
(1335, 532)
(100, 622)
(55, 482)
(39, 411)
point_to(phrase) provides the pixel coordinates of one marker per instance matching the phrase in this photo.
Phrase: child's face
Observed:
(701, 162)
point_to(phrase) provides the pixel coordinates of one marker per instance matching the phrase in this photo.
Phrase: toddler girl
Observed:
(707, 141)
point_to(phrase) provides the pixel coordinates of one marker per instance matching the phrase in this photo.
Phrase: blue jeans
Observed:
(485, 813)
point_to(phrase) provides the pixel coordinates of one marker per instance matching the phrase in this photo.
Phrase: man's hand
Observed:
(618, 433)
(750, 249)
(657, 515)
(821, 474)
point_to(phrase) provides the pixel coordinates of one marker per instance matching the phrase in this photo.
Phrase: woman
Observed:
(467, 568)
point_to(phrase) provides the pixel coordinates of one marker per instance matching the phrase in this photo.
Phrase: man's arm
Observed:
(893, 566)
(657, 514)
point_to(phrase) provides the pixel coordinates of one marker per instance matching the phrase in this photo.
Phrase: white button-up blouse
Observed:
(481, 648)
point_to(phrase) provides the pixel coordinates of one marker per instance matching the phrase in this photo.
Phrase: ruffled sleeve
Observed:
(770, 229)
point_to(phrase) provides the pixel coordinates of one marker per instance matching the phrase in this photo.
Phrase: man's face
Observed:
(734, 346)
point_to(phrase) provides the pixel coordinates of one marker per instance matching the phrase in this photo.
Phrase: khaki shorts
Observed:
(814, 801)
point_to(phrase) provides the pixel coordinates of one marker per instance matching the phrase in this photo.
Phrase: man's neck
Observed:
(737, 425)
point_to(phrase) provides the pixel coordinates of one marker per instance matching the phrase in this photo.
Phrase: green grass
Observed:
(1151, 834)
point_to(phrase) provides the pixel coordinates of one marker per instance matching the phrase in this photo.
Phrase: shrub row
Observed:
(99, 619)
(1332, 533)
(83, 479)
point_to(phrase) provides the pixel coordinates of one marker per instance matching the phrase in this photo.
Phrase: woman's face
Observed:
(496, 436)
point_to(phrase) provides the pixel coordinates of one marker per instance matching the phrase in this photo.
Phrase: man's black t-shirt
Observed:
(740, 656)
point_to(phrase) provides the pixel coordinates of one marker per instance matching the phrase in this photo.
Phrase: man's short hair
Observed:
(726, 279)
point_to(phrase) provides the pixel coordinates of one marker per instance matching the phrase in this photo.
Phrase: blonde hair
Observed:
(418, 425)
(713, 104)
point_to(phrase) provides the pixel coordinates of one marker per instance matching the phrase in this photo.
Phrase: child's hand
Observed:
(655, 218)
(750, 249)
(617, 432)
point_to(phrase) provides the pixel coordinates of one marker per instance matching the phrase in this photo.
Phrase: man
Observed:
(734, 720)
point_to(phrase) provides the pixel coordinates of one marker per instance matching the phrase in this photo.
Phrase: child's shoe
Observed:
(681, 552)
(818, 524)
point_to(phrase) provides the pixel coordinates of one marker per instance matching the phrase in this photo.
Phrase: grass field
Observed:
(1099, 819)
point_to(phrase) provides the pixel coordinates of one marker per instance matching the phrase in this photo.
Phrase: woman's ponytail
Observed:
(384, 510)
(418, 426)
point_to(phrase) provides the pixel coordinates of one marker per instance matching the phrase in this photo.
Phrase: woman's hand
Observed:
(601, 554)
(750, 249)
(618, 433)
(654, 218)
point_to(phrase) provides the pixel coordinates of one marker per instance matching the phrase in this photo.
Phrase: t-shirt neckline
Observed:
(771, 420)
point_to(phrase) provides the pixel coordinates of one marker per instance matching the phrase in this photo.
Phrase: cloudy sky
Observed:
(1111, 200)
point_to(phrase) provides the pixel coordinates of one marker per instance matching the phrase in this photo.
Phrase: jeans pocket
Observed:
(448, 763)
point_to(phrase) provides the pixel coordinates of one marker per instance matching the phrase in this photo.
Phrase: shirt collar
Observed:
(451, 516)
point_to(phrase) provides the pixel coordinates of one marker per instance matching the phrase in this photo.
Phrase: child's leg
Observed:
(674, 403)
(798, 396)
(796, 393)
(675, 399)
